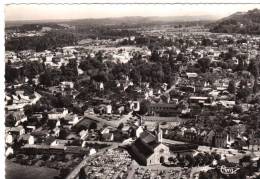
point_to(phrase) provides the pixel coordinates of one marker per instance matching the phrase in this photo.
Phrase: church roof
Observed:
(147, 137)
(143, 147)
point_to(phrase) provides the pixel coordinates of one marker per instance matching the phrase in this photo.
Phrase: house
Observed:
(26, 139)
(214, 93)
(36, 117)
(92, 151)
(9, 139)
(188, 89)
(76, 150)
(222, 139)
(18, 131)
(48, 140)
(71, 119)
(53, 122)
(72, 137)
(191, 75)
(31, 126)
(9, 151)
(121, 109)
(99, 86)
(198, 99)
(35, 149)
(139, 131)
(108, 137)
(57, 149)
(227, 104)
(40, 134)
(190, 135)
(18, 116)
(107, 109)
(254, 142)
(67, 84)
(58, 113)
(135, 105)
(245, 106)
(59, 142)
(56, 130)
(209, 137)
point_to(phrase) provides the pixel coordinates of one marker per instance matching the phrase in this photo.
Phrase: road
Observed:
(231, 155)
(104, 121)
(102, 142)
(218, 150)
(114, 123)
(19, 105)
(173, 86)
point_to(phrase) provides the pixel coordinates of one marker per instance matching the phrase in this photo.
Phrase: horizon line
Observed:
(115, 17)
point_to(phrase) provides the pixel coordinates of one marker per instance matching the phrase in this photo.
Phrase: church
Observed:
(148, 149)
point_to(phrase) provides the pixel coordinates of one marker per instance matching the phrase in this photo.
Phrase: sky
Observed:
(79, 11)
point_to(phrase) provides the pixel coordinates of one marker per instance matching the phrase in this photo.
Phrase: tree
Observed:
(32, 68)
(155, 56)
(243, 93)
(144, 107)
(63, 134)
(82, 174)
(241, 64)
(28, 110)
(255, 87)
(231, 87)
(100, 77)
(50, 40)
(63, 101)
(203, 175)
(45, 79)
(206, 42)
(171, 159)
(204, 64)
(93, 125)
(64, 172)
(237, 109)
(254, 67)
(120, 126)
(190, 159)
(180, 57)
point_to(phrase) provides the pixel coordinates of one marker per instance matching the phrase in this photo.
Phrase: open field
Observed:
(15, 171)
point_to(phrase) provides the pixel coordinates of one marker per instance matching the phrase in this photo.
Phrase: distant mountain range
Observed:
(239, 22)
(141, 20)
(118, 20)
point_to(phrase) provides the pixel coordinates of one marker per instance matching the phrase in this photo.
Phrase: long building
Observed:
(163, 109)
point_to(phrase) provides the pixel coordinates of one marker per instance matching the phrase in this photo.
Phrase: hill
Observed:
(139, 20)
(239, 22)
(130, 20)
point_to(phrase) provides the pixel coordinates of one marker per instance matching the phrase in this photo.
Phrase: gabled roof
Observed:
(24, 137)
(49, 140)
(16, 129)
(147, 137)
(140, 151)
(143, 147)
